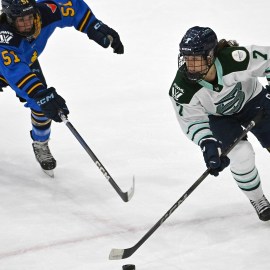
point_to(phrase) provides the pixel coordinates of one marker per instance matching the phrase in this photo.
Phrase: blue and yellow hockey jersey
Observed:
(17, 53)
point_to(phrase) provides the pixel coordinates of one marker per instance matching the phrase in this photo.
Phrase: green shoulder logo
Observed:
(177, 92)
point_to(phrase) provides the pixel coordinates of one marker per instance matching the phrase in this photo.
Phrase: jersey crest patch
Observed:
(5, 37)
(177, 92)
(34, 57)
(239, 55)
(52, 7)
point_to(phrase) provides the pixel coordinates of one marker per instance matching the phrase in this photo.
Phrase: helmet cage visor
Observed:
(21, 24)
(195, 66)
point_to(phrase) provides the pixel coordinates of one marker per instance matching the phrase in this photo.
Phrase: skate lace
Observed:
(261, 204)
(42, 152)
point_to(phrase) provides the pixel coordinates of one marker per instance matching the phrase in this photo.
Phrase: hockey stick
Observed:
(117, 254)
(125, 196)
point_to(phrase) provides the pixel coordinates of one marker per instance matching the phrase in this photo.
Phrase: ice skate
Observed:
(262, 208)
(44, 157)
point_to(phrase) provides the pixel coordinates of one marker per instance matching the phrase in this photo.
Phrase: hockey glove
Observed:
(104, 36)
(51, 103)
(211, 153)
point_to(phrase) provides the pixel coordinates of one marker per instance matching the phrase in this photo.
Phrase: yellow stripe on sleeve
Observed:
(27, 78)
(85, 19)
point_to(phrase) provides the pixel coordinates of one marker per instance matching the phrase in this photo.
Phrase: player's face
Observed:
(24, 24)
(196, 64)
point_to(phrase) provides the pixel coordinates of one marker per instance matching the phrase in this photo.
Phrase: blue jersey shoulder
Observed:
(49, 12)
(68, 13)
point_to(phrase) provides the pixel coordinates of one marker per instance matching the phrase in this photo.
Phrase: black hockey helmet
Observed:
(19, 8)
(198, 41)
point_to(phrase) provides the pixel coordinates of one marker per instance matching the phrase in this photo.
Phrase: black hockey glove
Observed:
(50, 103)
(211, 153)
(104, 36)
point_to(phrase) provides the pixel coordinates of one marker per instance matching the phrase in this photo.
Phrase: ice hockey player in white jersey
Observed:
(216, 91)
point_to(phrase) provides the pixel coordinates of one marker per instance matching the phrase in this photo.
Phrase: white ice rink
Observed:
(120, 106)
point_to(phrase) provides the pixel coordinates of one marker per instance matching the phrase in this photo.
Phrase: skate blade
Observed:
(49, 172)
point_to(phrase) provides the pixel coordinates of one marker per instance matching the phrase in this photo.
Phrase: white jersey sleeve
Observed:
(259, 64)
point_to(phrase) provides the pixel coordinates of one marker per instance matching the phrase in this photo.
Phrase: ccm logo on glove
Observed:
(97, 25)
(51, 103)
(45, 99)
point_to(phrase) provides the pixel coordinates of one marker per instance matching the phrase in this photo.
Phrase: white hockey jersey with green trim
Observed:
(238, 69)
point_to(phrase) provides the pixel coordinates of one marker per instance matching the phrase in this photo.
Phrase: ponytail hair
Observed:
(223, 43)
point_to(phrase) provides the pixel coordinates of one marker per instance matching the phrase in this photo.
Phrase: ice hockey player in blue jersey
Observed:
(25, 26)
(216, 91)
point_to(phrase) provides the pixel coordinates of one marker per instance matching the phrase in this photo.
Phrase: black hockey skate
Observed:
(44, 157)
(262, 208)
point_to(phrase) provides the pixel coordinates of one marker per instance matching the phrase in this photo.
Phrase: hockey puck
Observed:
(129, 267)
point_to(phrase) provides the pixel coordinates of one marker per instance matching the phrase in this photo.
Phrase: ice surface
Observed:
(120, 105)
